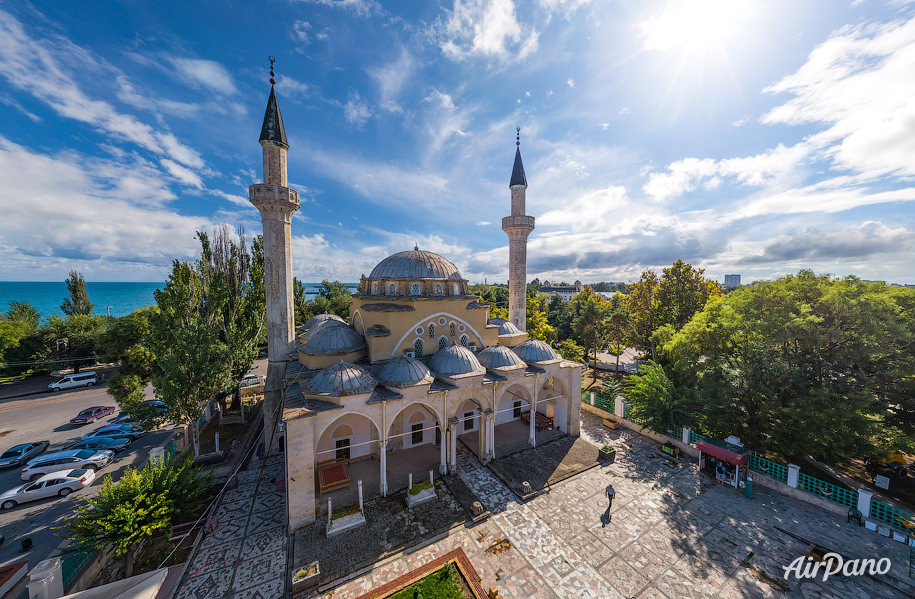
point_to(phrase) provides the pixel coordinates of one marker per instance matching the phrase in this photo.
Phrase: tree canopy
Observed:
(78, 301)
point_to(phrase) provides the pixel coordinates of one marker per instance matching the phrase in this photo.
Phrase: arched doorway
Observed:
(414, 445)
(469, 425)
(511, 432)
(347, 451)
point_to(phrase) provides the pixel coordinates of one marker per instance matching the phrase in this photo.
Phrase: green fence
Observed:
(599, 402)
(72, 563)
(695, 437)
(171, 450)
(769, 468)
(826, 490)
(890, 515)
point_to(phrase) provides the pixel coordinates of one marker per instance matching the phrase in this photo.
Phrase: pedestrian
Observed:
(611, 493)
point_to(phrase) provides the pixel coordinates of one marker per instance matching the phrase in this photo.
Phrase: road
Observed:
(47, 416)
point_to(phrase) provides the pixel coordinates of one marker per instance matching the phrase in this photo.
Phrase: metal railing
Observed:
(603, 403)
(768, 467)
(892, 516)
(827, 491)
(695, 437)
(72, 563)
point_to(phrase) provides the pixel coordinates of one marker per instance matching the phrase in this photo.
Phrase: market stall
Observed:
(726, 461)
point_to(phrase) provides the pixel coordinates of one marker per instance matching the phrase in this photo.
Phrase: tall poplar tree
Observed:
(78, 302)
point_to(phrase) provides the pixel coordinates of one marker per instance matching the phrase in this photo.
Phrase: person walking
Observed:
(611, 493)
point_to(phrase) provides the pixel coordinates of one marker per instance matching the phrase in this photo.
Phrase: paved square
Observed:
(671, 534)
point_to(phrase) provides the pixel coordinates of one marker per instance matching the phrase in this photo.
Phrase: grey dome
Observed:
(340, 380)
(500, 357)
(506, 327)
(404, 372)
(535, 350)
(321, 319)
(332, 337)
(414, 265)
(455, 361)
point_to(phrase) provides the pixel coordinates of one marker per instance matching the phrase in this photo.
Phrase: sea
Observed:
(118, 299)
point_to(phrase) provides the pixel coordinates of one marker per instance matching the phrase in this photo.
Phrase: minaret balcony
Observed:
(511, 222)
(263, 193)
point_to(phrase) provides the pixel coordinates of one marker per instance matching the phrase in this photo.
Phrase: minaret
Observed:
(518, 226)
(276, 203)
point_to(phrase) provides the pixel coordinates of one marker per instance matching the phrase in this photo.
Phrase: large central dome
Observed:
(416, 265)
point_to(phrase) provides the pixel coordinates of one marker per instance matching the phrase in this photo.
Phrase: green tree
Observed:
(682, 292)
(78, 302)
(26, 313)
(591, 325)
(11, 333)
(641, 304)
(125, 342)
(141, 506)
(571, 351)
(619, 325)
(535, 319)
(653, 400)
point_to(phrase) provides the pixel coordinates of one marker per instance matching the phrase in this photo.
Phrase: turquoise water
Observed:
(123, 298)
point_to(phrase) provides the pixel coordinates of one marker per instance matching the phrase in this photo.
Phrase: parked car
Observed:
(92, 414)
(15, 456)
(117, 431)
(893, 467)
(61, 483)
(88, 459)
(125, 417)
(83, 379)
(98, 443)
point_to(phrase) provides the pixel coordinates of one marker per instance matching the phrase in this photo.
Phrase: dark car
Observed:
(92, 414)
(19, 455)
(114, 445)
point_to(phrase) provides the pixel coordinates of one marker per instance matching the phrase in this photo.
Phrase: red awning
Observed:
(723, 450)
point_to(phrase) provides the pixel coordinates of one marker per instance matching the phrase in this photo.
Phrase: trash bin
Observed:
(749, 488)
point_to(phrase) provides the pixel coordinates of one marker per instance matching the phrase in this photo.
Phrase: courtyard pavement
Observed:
(671, 534)
(245, 556)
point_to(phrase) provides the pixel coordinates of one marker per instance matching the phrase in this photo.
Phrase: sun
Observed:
(694, 23)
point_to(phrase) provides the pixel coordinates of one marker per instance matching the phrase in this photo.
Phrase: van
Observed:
(83, 379)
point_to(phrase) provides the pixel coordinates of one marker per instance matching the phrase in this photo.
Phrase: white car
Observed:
(60, 483)
(83, 379)
(88, 459)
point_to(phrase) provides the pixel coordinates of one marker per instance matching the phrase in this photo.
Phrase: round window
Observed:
(461, 328)
(419, 330)
(442, 321)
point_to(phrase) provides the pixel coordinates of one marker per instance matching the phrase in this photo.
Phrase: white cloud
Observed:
(682, 176)
(570, 82)
(604, 126)
(624, 110)
(204, 73)
(598, 205)
(549, 93)
(184, 175)
(810, 244)
(739, 123)
(391, 78)
(483, 223)
(302, 31)
(486, 28)
(360, 7)
(356, 111)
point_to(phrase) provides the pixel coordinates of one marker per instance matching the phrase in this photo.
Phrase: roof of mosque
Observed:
(501, 358)
(455, 361)
(340, 380)
(506, 327)
(534, 351)
(320, 318)
(273, 129)
(518, 177)
(404, 372)
(332, 337)
(416, 264)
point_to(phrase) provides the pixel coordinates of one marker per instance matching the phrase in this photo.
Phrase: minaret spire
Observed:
(518, 226)
(276, 203)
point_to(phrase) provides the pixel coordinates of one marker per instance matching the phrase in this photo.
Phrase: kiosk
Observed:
(728, 462)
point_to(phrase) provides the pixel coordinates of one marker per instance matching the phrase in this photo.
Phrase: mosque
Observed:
(416, 369)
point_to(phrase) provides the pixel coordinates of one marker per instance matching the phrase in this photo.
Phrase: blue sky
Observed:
(743, 136)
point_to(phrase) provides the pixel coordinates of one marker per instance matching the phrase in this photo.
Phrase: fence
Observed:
(890, 515)
(826, 490)
(599, 402)
(769, 468)
(72, 563)
(171, 450)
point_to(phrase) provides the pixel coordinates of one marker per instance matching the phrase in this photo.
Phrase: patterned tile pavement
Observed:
(245, 557)
(671, 534)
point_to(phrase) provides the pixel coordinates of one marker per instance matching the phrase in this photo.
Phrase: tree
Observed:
(125, 342)
(619, 324)
(78, 302)
(641, 305)
(11, 332)
(571, 351)
(536, 322)
(682, 292)
(25, 313)
(653, 400)
(591, 325)
(141, 506)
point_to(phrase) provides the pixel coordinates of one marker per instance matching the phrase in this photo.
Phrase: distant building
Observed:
(732, 279)
(566, 293)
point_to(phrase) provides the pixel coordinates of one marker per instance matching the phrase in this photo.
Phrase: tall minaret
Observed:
(276, 203)
(518, 226)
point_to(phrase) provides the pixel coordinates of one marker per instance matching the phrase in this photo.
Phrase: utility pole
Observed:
(109, 311)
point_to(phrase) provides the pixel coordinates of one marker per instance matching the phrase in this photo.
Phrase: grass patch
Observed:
(446, 583)
(345, 511)
(303, 573)
(418, 487)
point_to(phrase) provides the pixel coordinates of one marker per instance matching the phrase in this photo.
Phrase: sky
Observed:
(742, 136)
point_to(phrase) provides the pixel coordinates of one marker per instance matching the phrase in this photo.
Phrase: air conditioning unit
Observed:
(409, 354)
(472, 346)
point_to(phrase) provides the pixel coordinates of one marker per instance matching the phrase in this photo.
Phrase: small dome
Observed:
(535, 350)
(340, 380)
(321, 319)
(332, 337)
(404, 372)
(500, 357)
(506, 327)
(455, 361)
(416, 264)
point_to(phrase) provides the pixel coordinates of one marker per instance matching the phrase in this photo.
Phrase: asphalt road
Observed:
(47, 416)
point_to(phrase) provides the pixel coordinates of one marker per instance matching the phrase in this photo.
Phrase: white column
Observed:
(329, 510)
(619, 406)
(409, 481)
(430, 475)
(793, 471)
(360, 494)
(592, 398)
(384, 470)
(864, 502)
(217, 442)
(492, 435)
(443, 467)
(532, 440)
(685, 436)
(453, 437)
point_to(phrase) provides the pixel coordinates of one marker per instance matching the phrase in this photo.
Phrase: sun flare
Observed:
(694, 23)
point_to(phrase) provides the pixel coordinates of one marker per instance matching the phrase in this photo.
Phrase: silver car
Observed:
(116, 431)
(61, 483)
(16, 456)
(87, 459)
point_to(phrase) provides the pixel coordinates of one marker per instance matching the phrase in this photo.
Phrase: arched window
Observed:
(457, 289)
(418, 348)
(453, 327)
(392, 289)
(464, 340)
(374, 287)
(442, 342)
(431, 331)
(439, 289)
(414, 289)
